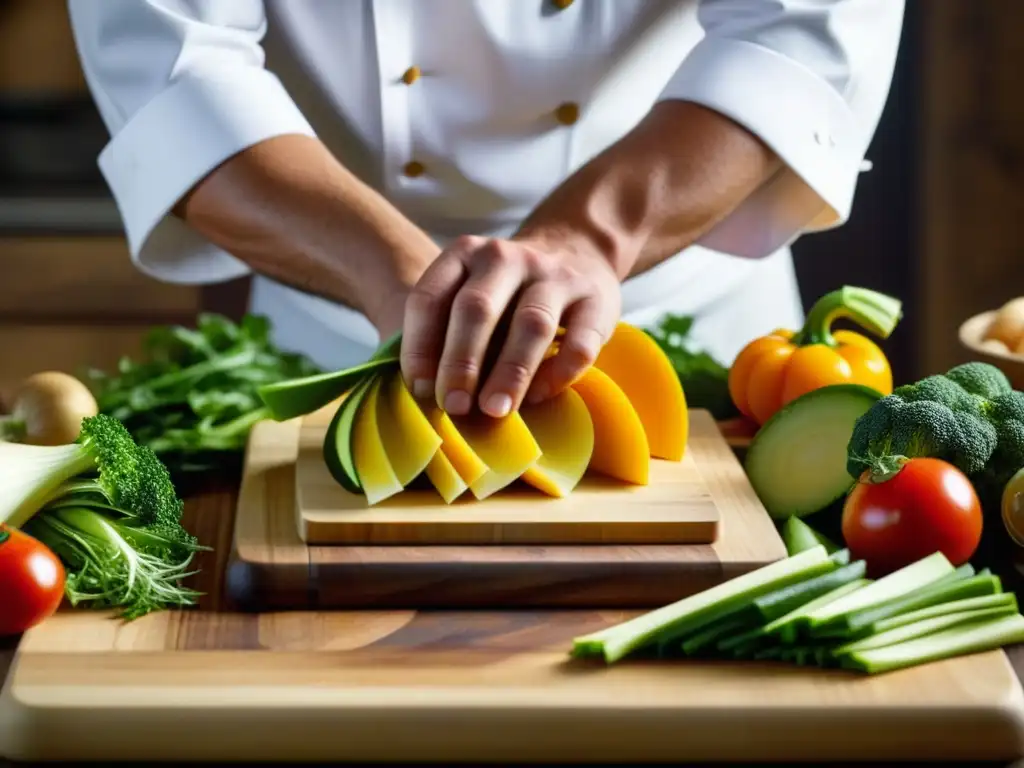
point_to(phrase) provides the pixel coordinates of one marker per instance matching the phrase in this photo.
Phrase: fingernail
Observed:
(498, 405)
(422, 388)
(538, 394)
(457, 403)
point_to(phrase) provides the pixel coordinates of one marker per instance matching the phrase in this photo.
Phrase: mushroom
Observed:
(1007, 325)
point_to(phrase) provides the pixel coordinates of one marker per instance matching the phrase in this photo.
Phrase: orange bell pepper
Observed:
(780, 367)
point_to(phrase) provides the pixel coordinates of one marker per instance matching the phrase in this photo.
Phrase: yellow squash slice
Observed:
(635, 362)
(562, 427)
(409, 440)
(463, 459)
(504, 445)
(371, 460)
(445, 479)
(620, 442)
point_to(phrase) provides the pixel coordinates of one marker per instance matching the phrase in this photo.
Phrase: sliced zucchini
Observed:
(298, 397)
(999, 600)
(958, 585)
(921, 628)
(337, 447)
(775, 604)
(797, 460)
(697, 611)
(798, 536)
(976, 637)
(904, 581)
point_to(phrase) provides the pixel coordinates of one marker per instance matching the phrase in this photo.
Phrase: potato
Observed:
(1008, 324)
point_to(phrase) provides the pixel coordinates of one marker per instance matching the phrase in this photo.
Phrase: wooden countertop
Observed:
(209, 515)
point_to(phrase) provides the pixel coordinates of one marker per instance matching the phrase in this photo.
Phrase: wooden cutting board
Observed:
(675, 507)
(473, 686)
(273, 568)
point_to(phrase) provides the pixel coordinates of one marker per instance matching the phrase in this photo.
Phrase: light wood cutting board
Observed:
(676, 507)
(473, 687)
(476, 686)
(273, 568)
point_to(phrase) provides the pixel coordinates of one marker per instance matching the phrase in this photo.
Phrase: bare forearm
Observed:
(657, 190)
(289, 210)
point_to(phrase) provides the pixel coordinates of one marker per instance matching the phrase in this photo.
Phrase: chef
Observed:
(467, 169)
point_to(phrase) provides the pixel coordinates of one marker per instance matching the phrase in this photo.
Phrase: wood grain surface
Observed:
(44, 279)
(674, 508)
(29, 349)
(198, 684)
(272, 568)
(969, 195)
(738, 432)
(452, 686)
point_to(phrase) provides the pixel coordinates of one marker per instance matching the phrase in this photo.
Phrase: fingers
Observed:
(453, 313)
(532, 328)
(496, 275)
(588, 325)
(426, 320)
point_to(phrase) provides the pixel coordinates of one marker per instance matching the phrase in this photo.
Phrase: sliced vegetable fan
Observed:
(626, 409)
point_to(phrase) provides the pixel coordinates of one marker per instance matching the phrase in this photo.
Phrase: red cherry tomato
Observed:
(928, 506)
(31, 582)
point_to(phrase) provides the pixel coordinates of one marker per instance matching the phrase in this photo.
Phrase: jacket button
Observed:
(413, 169)
(567, 113)
(411, 75)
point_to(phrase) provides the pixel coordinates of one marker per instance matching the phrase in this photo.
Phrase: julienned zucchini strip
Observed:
(693, 613)
(300, 397)
(976, 637)
(815, 609)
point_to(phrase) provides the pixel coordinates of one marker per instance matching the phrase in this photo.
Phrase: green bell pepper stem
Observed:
(875, 312)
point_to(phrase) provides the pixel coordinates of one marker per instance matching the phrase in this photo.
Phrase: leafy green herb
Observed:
(192, 399)
(704, 379)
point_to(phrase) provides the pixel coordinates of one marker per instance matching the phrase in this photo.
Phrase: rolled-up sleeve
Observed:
(809, 78)
(182, 87)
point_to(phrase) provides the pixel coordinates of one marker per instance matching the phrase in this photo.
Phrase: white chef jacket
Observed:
(184, 85)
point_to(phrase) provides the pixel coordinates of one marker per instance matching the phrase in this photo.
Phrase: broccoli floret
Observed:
(969, 416)
(1007, 407)
(980, 379)
(108, 509)
(31, 475)
(1007, 414)
(894, 427)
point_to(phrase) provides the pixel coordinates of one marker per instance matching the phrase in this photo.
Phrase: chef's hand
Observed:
(455, 308)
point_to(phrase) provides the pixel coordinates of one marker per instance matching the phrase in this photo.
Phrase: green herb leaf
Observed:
(192, 398)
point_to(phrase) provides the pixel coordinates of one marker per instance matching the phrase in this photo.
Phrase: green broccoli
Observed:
(970, 416)
(107, 507)
(980, 379)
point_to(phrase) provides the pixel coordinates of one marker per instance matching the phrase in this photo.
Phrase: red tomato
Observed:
(928, 506)
(31, 582)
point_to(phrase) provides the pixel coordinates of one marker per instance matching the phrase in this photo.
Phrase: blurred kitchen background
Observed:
(939, 221)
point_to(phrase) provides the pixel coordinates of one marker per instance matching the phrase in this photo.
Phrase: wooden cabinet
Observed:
(84, 280)
(37, 49)
(970, 213)
(68, 303)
